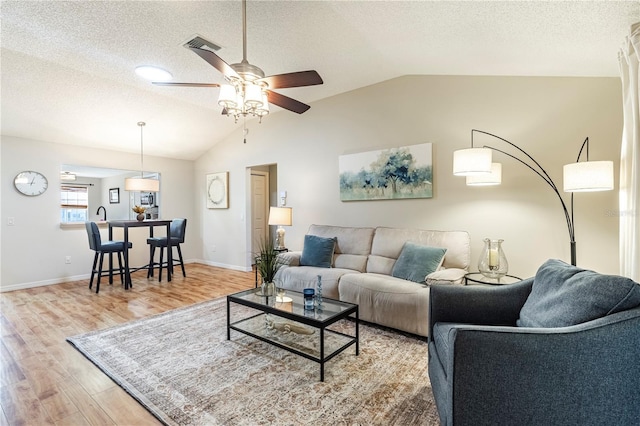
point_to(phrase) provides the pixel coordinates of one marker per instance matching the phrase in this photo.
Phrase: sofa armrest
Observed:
(446, 276)
(290, 258)
(583, 374)
(496, 305)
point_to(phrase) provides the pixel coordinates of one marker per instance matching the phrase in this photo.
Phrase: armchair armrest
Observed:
(583, 374)
(496, 305)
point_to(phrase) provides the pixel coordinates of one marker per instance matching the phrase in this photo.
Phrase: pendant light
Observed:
(141, 184)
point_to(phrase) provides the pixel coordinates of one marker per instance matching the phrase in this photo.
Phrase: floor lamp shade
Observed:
(471, 161)
(487, 179)
(141, 184)
(588, 176)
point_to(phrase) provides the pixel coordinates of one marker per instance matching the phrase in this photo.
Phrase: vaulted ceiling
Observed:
(68, 66)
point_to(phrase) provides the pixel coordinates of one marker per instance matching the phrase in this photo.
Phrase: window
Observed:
(74, 202)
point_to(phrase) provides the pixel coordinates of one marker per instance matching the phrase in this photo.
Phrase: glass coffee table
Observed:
(283, 322)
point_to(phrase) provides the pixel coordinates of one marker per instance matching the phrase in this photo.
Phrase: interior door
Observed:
(259, 208)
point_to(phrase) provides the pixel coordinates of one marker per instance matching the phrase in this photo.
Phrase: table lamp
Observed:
(280, 216)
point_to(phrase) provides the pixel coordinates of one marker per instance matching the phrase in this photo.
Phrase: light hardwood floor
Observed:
(45, 381)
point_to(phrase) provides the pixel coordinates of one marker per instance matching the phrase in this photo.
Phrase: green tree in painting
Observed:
(394, 166)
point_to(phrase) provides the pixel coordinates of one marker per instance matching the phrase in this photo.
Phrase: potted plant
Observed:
(268, 262)
(140, 210)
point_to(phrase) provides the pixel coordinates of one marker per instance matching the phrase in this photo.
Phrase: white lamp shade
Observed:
(141, 184)
(472, 161)
(263, 109)
(280, 216)
(227, 97)
(588, 176)
(252, 95)
(487, 179)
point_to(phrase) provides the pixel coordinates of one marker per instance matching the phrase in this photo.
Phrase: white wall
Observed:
(34, 250)
(548, 117)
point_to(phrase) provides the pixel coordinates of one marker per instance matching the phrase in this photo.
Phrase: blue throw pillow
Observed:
(564, 295)
(317, 251)
(417, 261)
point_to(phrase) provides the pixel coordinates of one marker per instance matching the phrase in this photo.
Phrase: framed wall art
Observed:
(388, 174)
(218, 190)
(114, 195)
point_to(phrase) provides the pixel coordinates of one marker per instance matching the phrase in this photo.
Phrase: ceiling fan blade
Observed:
(293, 79)
(163, 83)
(286, 102)
(216, 61)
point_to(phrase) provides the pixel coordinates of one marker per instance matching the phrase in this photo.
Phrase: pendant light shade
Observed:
(588, 176)
(141, 184)
(471, 161)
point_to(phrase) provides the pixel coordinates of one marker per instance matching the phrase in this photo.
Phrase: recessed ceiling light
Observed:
(153, 73)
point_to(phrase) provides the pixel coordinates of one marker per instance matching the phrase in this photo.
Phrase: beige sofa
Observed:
(361, 272)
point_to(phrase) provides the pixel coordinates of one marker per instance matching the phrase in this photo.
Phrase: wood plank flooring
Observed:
(45, 381)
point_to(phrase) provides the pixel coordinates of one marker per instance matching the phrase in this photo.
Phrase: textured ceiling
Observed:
(67, 67)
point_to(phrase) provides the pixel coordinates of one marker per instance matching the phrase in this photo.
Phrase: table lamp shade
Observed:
(280, 216)
(588, 176)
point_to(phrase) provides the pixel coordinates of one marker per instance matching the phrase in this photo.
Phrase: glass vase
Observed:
(493, 263)
(268, 289)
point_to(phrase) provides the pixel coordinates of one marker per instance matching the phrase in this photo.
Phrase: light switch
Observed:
(11, 221)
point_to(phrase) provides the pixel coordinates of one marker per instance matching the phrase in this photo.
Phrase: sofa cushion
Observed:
(388, 243)
(564, 295)
(388, 301)
(353, 245)
(317, 251)
(416, 261)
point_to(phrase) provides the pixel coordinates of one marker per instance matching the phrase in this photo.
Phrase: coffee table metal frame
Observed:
(266, 305)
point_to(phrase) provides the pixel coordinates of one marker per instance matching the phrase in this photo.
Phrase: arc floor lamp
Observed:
(587, 176)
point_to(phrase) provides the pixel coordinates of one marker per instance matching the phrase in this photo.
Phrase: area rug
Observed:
(182, 369)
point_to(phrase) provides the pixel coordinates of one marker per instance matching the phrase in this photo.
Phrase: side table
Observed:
(257, 260)
(478, 278)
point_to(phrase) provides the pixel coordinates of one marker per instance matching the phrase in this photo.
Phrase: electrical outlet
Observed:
(67, 259)
(213, 249)
(11, 221)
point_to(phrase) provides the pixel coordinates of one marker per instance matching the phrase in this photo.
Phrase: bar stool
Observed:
(177, 233)
(96, 244)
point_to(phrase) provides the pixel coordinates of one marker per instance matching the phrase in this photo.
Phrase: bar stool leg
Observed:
(93, 270)
(184, 274)
(99, 272)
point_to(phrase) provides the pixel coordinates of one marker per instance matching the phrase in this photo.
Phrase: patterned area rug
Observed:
(180, 366)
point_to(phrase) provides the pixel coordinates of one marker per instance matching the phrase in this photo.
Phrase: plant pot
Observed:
(140, 217)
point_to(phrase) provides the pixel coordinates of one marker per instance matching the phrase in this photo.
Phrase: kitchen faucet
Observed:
(105, 212)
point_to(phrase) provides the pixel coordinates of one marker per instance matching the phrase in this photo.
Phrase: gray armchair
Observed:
(484, 370)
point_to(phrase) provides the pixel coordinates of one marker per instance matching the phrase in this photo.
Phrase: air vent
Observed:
(200, 43)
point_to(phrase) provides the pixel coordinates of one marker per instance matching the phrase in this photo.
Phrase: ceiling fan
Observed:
(249, 92)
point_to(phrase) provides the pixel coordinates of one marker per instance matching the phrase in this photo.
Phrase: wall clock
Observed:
(31, 183)
(218, 190)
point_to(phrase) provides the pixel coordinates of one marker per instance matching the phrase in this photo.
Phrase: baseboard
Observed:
(225, 266)
(54, 281)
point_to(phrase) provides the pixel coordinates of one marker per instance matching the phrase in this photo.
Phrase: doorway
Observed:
(259, 208)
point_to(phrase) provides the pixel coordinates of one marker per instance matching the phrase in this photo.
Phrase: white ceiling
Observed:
(68, 66)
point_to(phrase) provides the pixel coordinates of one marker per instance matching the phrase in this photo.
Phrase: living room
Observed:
(545, 108)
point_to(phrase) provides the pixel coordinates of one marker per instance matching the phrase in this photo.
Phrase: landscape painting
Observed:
(388, 174)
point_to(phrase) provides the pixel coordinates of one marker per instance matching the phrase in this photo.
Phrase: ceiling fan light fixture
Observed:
(227, 97)
(263, 109)
(252, 96)
(152, 73)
